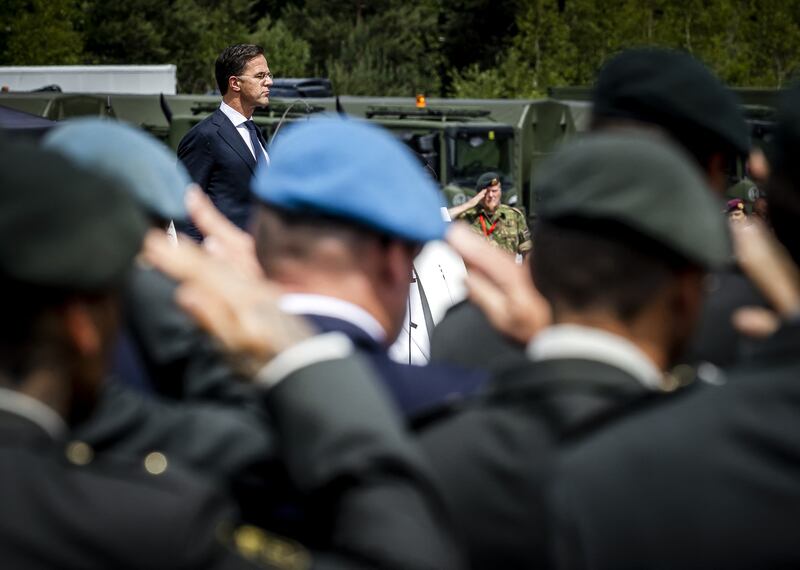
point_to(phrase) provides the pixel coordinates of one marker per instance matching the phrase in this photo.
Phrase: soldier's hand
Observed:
(765, 261)
(456, 211)
(221, 237)
(476, 199)
(502, 289)
(240, 311)
(755, 322)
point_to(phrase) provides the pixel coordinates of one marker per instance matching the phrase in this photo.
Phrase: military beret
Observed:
(641, 182)
(354, 171)
(487, 179)
(63, 228)
(734, 205)
(145, 166)
(674, 91)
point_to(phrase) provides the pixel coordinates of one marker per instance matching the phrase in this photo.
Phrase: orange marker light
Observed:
(421, 102)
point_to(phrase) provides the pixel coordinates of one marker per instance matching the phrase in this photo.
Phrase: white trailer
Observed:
(142, 79)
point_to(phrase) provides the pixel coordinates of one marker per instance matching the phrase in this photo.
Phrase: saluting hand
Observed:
(456, 211)
(239, 310)
(502, 289)
(222, 239)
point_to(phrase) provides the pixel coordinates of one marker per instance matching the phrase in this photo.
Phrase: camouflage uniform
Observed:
(511, 232)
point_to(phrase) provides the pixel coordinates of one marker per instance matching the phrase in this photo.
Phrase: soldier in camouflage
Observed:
(503, 226)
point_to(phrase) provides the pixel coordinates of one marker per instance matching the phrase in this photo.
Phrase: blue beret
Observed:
(144, 166)
(354, 171)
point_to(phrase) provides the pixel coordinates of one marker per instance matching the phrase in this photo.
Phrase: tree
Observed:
(384, 47)
(477, 31)
(288, 55)
(40, 32)
(188, 33)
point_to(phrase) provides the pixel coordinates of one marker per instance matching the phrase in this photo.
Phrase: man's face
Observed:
(737, 216)
(255, 82)
(492, 198)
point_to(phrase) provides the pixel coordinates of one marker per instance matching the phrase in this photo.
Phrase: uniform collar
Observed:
(33, 410)
(235, 116)
(324, 306)
(587, 343)
(491, 217)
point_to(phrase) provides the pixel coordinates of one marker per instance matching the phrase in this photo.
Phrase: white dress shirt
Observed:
(238, 121)
(575, 341)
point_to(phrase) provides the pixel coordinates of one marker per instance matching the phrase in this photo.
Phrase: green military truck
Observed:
(457, 139)
(456, 144)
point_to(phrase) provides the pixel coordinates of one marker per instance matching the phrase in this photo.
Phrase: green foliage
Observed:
(466, 48)
(384, 47)
(747, 42)
(288, 55)
(40, 32)
(197, 31)
(476, 31)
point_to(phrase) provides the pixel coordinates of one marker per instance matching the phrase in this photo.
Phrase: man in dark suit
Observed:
(223, 151)
(709, 480)
(626, 232)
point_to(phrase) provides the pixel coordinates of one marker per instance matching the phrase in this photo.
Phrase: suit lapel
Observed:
(231, 136)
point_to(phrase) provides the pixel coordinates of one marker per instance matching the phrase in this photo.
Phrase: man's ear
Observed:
(398, 260)
(234, 83)
(81, 328)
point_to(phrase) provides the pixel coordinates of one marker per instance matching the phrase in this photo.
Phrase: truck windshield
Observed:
(475, 152)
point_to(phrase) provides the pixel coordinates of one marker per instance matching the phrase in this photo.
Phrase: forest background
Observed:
(457, 48)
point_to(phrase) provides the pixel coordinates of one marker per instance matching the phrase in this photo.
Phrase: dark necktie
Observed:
(255, 140)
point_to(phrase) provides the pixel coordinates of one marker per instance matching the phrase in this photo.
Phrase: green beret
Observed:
(487, 179)
(63, 228)
(641, 182)
(674, 91)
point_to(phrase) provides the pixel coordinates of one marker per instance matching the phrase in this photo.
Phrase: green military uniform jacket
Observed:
(505, 229)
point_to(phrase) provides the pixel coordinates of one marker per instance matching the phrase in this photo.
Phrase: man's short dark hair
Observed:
(284, 235)
(232, 61)
(29, 337)
(582, 265)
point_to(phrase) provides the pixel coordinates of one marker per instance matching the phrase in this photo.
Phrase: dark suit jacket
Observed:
(179, 360)
(715, 339)
(108, 514)
(466, 338)
(219, 161)
(710, 479)
(414, 389)
(493, 458)
(373, 501)
(370, 492)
